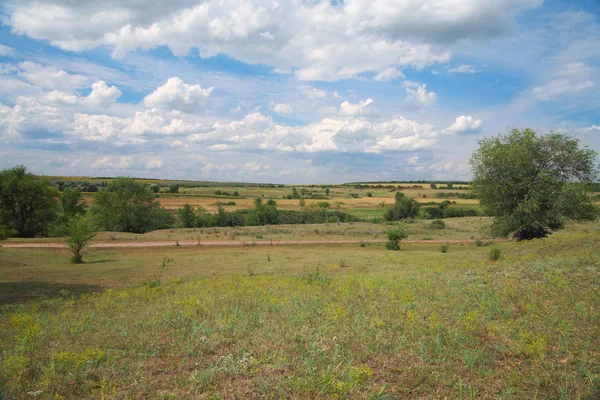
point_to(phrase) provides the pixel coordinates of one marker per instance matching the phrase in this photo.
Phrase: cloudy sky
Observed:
(288, 91)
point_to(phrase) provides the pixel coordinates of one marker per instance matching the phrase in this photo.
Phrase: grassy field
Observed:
(327, 321)
(456, 228)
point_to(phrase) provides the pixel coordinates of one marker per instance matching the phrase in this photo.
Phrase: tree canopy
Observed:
(533, 183)
(129, 206)
(27, 203)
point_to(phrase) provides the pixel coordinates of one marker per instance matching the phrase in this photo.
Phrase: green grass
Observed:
(226, 323)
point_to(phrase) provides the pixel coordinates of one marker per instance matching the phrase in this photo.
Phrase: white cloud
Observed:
(388, 74)
(463, 69)
(6, 51)
(6, 69)
(573, 78)
(593, 128)
(112, 163)
(465, 124)
(313, 93)
(177, 95)
(103, 95)
(283, 109)
(320, 40)
(363, 107)
(420, 97)
(155, 163)
(50, 77)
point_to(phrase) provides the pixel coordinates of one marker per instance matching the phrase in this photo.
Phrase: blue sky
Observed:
(290, 92)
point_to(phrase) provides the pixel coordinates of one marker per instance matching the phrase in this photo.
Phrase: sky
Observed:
(289, 91)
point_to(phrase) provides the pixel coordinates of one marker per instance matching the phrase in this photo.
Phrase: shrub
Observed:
(495, 254)
(478, 243)
(362, 244)
(444, 247)
(79, 238)
(437, 224)
(394, 236)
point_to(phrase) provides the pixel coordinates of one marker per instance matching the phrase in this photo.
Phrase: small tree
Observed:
(174, 189)
(327, 191)
(395, 235)
(433, 186)
(187, 216)
(80, 234)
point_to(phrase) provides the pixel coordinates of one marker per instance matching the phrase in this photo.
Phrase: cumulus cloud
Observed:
(318, 40)
(154, 163)
(462, 69)
(593, 128)
(283, 109)
(573, 78)
(178, 95)
(103, 95)
(419, 97)
(50, 77)
(112, 163)
(465, 124)
(363, 107)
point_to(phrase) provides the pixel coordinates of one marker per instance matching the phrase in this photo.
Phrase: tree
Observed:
(327, 191)
(404, 207)
(395, 235)
(71, 203)
(433, 185)
(187, 216)
(80, 234)
(174, 189)
(129, 206)
(27, 203)
(532, 183)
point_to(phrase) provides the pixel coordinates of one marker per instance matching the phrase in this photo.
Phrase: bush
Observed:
(478, 243)
(80, 235)
(495, 254)
(3, 232)
(444, 247)
(362, 244)
(394, 236)
(437, 224)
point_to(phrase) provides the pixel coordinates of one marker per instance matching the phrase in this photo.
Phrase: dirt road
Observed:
(187, 243)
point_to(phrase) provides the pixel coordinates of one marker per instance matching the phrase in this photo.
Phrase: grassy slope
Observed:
(416, 323)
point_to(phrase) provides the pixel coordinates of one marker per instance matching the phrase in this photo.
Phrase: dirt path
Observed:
(168, 243)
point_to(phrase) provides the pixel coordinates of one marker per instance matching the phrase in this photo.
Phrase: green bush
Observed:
(80, 234)
(495, 254)
(394, 236)
(437, 224)
(478, 243)
(444, 247)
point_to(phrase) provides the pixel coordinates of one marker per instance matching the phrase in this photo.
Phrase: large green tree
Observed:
(533, 183)
(27, 203)
(129, 206)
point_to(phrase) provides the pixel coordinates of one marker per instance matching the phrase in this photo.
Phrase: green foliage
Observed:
(478, 243)
(322, 204)
(187, 216)
(532, 184)
(495, 254)
(444, 247)
(28, 204)
(174, 189)
(433, 186)
(437, 224)
(129, 206)
(394, 236)
(404, 207)
(80, 233)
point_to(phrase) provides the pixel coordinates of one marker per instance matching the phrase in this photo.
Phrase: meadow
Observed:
(306, 321)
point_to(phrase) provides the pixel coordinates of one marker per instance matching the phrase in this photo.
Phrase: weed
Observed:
(495, 254)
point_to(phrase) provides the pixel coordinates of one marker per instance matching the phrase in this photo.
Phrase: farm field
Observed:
(340, 321)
